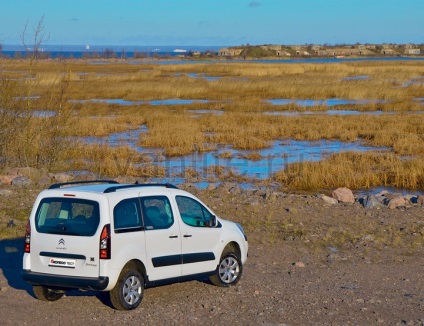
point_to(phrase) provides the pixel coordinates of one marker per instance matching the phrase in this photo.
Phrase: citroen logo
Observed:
(62, 242)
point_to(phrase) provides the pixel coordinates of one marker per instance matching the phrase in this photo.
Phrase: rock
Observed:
(11, 224)
(225, 186)
(372, 202)
(6, 192)
(126, 179)
(211, 187)
(21, 182)
(87, 176)
(235, 190)
(7, 179)
(382, 193)
(329, 200)
(411, 198)
(29, 172)
(397, 201)
(420, 200)
(344, 195)
(44, 182)
(389, 195)
(62, 177)
(299, 264)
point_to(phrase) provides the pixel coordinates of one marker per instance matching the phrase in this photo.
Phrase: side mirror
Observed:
(212, 221)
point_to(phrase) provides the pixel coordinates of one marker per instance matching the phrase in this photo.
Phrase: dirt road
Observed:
(272, 291)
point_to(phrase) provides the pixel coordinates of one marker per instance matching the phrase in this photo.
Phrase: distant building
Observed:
(271, 47)
(334, 52)
(409, 46)
(283, 53)
(412, 51)
(388, 51)
(227, 52)
(302, 53)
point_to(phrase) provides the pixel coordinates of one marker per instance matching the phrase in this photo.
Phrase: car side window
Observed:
(126, 216)
(157, 212)
(192, 212)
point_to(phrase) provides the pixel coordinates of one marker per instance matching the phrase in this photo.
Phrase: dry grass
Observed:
(356, 171)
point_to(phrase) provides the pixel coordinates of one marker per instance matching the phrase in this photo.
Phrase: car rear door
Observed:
(65, 237)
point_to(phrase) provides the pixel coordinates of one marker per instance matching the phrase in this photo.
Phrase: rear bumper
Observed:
(66, 282)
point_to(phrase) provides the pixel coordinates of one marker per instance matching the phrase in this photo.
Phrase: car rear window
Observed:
(68, 216)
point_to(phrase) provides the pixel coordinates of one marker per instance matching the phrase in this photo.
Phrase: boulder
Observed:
(397, 201)
(420, 200)
(329, 200)
(411, 198)
(7, 179)
(6, 192)
(21, 182)
(62, 177)
(344, 195)
(44, 182)
(372, 202)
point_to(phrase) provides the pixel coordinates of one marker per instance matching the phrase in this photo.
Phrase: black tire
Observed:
(45, 294)
(229, 269)
(128, 291)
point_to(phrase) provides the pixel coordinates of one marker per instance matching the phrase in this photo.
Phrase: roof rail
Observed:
(60, 185)
(115, 188)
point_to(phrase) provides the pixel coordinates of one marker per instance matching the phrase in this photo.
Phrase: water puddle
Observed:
(361, 77)
(328, 102)
(197, 113)
(153, 102)
(27, 98)
(176, 101)
(129, 138)
(338, 112)
(414, 81)
(108, 101)
(43, 113)
(203, 76)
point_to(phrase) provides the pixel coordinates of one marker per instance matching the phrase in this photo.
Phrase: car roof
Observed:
(102, 188)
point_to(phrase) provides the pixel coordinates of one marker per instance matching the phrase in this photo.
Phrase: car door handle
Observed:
(187, 235)
(173, 236)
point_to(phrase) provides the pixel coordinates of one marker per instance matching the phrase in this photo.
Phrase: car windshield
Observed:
(69, 216)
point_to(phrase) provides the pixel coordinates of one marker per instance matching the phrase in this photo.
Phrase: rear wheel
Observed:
(229, 269)
(46, 294)
(128, 291)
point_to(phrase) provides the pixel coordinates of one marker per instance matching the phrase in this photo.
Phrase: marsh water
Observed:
(266, 161)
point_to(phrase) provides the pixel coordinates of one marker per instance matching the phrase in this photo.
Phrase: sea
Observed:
(120, 51)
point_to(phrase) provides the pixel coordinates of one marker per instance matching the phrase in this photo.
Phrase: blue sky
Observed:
(218, 22)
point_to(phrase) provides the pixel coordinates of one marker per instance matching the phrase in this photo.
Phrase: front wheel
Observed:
(46, 294)
(229, 270)
(128, 291)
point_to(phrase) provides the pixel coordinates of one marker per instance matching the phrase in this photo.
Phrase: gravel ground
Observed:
(339, 265)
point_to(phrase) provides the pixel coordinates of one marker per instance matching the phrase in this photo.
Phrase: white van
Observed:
(101, 235)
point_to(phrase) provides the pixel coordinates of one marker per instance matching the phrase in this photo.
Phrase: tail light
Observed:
(27, 247)
(105, 242)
